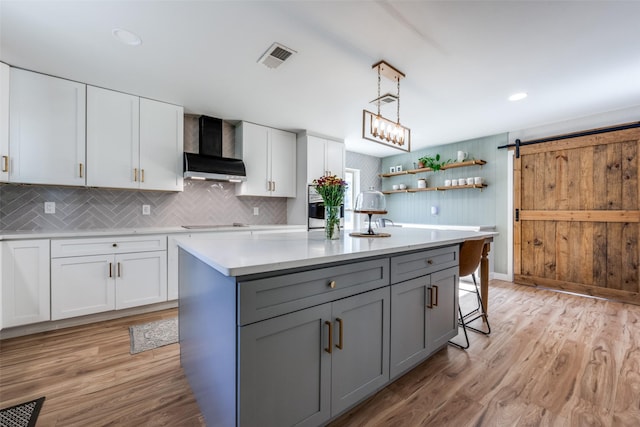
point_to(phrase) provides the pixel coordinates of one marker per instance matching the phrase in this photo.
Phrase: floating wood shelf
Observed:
(445, 167)
(417, 190)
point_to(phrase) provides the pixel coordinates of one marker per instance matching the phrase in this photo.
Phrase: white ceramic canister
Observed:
(422, 183)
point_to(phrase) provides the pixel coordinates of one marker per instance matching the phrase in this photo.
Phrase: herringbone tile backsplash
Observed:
(202, 202)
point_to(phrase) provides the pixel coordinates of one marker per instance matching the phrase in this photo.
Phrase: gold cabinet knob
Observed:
(332, 284)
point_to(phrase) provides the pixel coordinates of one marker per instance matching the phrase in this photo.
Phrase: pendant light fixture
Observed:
(379, 129)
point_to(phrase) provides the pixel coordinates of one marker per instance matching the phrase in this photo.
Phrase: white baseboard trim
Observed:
(500, 276)
(35, 328)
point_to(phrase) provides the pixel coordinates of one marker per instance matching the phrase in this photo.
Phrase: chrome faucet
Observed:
(384, 222)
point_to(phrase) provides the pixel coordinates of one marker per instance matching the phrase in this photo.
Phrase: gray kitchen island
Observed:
(291, 329)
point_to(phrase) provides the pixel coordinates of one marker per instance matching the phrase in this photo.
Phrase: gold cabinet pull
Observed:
(81, 170)
(430, 305)
(274, 185)
(328, 349)
(268, 185)
(141, 175)
(340, 324)
(119, 272)
(5, 163)
(135, 174)
(435, 304)
(110, 270)
(332, 284)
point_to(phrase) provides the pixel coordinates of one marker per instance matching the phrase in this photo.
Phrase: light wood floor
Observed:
(553, 360)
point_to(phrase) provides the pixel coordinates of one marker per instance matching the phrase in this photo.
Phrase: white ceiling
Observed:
(462, 59)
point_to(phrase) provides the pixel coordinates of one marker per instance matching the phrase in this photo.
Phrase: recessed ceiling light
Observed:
(518, 96)
(126, 37)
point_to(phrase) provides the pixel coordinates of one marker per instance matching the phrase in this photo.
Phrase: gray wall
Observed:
(201, 202)
(369, 167)
(456, 207)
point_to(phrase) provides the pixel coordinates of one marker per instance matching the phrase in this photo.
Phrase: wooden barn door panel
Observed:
(579, 215)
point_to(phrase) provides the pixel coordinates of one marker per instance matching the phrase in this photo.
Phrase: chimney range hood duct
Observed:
(209, 163)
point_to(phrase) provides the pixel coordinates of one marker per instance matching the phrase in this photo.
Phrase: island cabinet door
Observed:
(443, 308)
(409, 344)
(360, 352)
(284, 371)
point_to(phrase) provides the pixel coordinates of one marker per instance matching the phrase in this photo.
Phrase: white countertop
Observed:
(64, 234)
(249, 254)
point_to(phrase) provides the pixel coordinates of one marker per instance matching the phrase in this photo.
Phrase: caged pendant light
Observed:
(379, 129)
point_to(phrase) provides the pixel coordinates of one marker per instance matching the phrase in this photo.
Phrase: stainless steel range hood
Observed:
(209, 163)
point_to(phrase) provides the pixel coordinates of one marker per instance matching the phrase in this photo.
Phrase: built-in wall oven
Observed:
(315, 217)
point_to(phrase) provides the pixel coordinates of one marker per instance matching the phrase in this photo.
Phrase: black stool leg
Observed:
(464, 329)
(478, 313)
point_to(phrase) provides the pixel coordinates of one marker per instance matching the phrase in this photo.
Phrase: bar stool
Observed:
(470, 255)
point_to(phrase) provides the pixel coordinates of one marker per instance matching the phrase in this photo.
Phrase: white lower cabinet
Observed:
(24, 274)
(117, 279)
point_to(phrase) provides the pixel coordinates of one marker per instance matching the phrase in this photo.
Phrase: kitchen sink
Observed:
(204, 226)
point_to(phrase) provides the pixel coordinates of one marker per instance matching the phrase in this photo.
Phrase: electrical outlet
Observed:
(146, 210)
(256, 211)
(49, 207)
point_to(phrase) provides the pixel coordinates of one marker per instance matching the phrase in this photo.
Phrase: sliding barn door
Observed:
(578, 215)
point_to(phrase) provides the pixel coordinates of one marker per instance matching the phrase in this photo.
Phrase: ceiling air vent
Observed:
(275, 55)
(385, 99)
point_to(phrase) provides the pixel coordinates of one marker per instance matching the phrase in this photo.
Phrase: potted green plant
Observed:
(432, 163)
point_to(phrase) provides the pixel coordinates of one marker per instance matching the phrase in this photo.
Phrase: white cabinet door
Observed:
(335, 158)
(161, 145)
(283, 163)
(141, 278)
(25, 282)
(46, 129)
(324, 157)
(112, 139)
(269, 156)
(315, 158)
(4, 122)
(82, 285)
(252, 146)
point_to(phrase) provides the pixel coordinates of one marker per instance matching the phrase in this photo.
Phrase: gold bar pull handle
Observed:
(141, 175)
(268, 185)
(435, 304)
(81, 170)
(274, 186)
(5, 163)
(340, 324)
(328, 349)
(110, 270)
(430, 305)
(119, 271)
(135, 174)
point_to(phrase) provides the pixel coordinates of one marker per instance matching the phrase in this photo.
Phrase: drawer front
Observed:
(61, 248)
(410, 266)
(265, 298)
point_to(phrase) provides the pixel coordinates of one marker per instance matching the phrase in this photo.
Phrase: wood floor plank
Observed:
(553, 359)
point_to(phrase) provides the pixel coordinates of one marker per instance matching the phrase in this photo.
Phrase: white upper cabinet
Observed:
(324, 157)
(161, 145)
(133, 142)
(113, 139)
(46, 129)
(269, 156)
(4, 122)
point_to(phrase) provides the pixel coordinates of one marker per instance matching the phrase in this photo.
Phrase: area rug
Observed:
(153, 335)
(22, 415)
